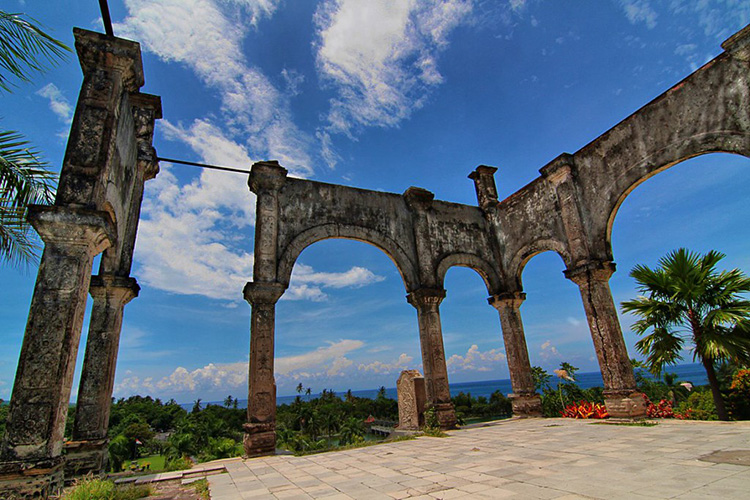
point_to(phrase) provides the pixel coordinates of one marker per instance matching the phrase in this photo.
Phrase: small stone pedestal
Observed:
(84, 457)
(411, 400)
(260, 439)
(527, 404)
(38, 479)
(628, 405)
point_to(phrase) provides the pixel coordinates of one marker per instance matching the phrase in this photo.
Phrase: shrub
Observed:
(739, 395)
(89, 488)
(585, 409)
(699, 406)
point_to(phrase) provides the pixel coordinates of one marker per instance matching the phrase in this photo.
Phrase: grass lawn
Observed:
(157, 463)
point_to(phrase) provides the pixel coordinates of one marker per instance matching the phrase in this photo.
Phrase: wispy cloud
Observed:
(382, 71)
(404, 362)
(207, 36)
(639, 11)
(548, 352)
(475, 360)
(323, 363)
(58, 103)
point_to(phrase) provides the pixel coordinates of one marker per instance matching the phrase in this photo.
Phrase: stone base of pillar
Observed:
(260, 439)
(627, 404)
(526, 404)
(446, 415)
(84, 457)
(40, 479)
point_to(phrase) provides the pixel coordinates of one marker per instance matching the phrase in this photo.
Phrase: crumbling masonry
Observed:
(569, 210)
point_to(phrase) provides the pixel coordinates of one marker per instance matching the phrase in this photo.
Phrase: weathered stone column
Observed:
(32, 445)
(87, 451)
(427, 303)
(526, 402)
(260, 429)
(620, 395)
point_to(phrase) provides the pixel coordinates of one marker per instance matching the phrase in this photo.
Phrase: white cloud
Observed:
(404, 362)
(323, 356)
(475, 360)
(548, 351)
(355, 277)
(57, 102)
(715, 16)
(383, 70)
(328, 361)
(639, 11)
(206, 38)
(190, 237)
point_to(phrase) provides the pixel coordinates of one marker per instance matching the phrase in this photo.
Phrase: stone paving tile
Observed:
(535, 459)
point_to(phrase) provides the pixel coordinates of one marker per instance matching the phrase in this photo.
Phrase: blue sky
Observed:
(377, 95)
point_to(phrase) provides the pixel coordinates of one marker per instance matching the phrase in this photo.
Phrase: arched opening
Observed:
(392, 249)
(474, 350)
(553, 317)
(701, 204)
(344, 322)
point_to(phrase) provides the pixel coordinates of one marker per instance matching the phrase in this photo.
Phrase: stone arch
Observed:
(487, 271)
(737, 143)
(403, 263)
(525, 254)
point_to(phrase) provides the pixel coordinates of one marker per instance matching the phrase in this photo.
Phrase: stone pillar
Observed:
(32, 445)
(620, 395)
(411, 400)
(526, 402)
(87, 452)
(265, 180)
(427, 302)
(260, 429)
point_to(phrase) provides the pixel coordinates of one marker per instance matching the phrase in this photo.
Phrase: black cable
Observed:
(203, 165)
(104, 7)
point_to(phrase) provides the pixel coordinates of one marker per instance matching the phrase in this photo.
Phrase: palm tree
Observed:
(24, 178)
(351, 431)
(686, 298)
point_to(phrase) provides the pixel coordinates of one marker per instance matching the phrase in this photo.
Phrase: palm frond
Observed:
(25, 49)
(24, 180)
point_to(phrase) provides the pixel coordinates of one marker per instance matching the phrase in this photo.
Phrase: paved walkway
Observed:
(538, 458)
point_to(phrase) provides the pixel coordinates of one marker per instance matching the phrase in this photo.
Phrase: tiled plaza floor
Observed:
(536, 458)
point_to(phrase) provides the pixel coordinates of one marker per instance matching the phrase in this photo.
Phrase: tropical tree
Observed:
(352, 431)
(24, 178)
(686, 298)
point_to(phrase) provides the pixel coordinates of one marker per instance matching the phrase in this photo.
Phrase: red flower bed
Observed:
(585, 409)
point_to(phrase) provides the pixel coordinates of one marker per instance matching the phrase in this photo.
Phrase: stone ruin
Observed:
(569, 210)
(411, 400)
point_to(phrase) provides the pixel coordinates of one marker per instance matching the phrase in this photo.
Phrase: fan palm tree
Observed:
(24, 178)
(687, 299)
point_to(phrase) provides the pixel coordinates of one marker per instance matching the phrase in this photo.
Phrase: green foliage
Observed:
(567, 392)
(24, 179)
(89, 488)
(739, 395)
(541, 378)
(699, 406)
(686, 301)
(201, 488)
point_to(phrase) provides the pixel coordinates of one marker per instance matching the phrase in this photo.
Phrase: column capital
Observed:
(738, 45)
(559, 169)
(596, 270)
(122, 289)
(484, 184)
(76, 227)
(266, 176)
(262, 292)
(508, 299)
(418, 198)
(423, 297)
(96, 50)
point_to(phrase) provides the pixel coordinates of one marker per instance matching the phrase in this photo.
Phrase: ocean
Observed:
(692, 372)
